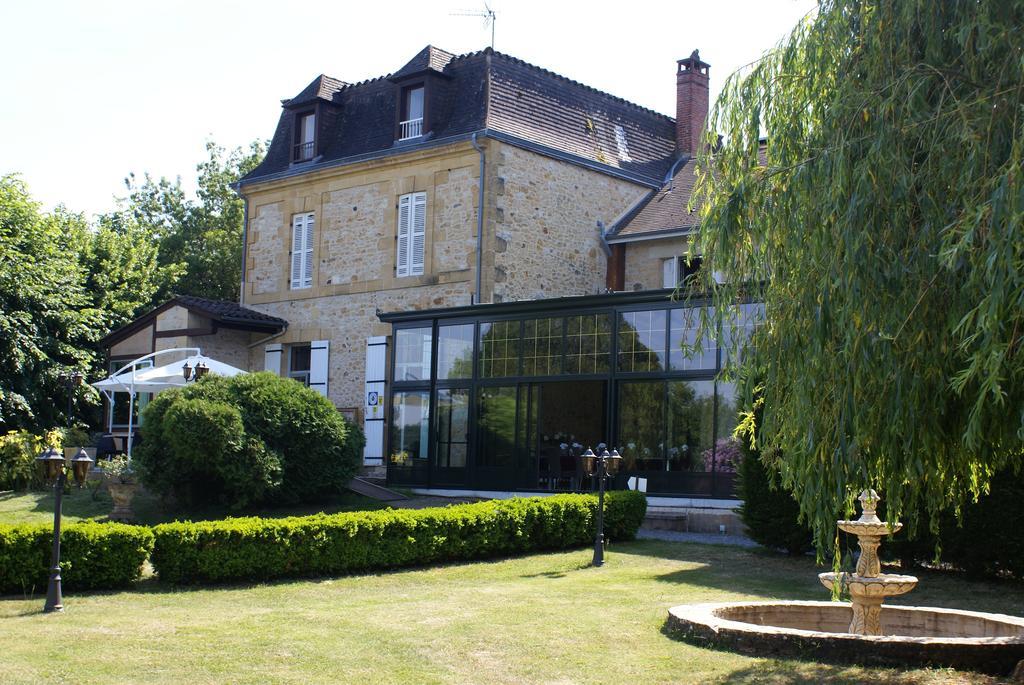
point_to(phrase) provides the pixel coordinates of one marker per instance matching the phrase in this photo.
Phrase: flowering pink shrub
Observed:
(725, 457)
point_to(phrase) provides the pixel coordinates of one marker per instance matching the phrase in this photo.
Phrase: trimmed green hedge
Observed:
(93, 556)
(247, 549)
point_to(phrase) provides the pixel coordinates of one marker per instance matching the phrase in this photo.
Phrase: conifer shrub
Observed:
(770, 512)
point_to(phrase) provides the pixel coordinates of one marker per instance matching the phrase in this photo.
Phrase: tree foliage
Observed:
(204, 235)
(63, 285)
(884, 220)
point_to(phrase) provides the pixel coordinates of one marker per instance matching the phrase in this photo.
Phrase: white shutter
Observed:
(307, 261)
(404, 235)
(319, 354)
(670, 272)
(302, 251)
(373, 410)
(272, 359)
(419, 232)
(298, 237)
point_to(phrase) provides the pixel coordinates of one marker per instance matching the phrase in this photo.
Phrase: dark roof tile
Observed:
(228, 312)
(427, 59)
(486, 90)
(665, 210)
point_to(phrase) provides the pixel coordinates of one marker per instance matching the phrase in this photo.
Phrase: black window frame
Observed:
(613, 308)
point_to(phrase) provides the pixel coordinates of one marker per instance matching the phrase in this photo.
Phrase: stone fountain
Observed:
(863, 630)
(868, 586)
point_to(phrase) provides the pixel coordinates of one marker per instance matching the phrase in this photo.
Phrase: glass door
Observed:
(451, 444)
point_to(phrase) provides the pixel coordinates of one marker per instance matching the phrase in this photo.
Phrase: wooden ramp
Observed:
(379, 492)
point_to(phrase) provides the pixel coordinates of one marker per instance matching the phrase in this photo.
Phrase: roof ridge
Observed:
(576, 83)
(511, 58)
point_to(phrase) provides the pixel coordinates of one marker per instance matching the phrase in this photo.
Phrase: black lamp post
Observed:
(55, 471)
(604, 466)
(194, 373)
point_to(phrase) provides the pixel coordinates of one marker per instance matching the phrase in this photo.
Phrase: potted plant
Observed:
(121, 484)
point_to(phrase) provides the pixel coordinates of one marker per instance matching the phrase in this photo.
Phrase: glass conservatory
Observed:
(505, 397)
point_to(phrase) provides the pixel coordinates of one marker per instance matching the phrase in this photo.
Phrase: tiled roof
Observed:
(427, 59)
(485, 90)
(227, 312)
(667, 209)
(322, 87)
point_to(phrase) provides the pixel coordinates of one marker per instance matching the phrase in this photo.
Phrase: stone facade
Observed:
(547, 238)
(355, 209)
(541, 239)
(346, 321)
(644, 260)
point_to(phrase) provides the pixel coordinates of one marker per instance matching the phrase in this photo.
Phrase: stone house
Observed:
(474, 258)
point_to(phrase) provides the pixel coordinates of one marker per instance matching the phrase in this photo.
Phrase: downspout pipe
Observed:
(245, 237)
(479, 220)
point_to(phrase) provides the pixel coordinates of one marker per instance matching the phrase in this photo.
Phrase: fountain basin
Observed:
(870, 528)
(884, 585)
(912, 636)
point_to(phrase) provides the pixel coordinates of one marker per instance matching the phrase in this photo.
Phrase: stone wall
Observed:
(356, 219)
(266, 241)
(136, 345)
(226, 345)
(644, 261)
(546, 241)
(347, 321)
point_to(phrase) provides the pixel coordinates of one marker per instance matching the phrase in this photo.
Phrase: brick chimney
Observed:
(691, 103)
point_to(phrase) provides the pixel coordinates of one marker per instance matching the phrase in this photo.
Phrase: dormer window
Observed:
(305, 137)
(410, 124)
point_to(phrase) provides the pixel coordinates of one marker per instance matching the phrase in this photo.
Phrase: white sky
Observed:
(92, 90)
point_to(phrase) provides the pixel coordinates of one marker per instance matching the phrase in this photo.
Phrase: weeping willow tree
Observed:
(867, 177)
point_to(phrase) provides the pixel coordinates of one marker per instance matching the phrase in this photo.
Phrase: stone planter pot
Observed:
(122, 494)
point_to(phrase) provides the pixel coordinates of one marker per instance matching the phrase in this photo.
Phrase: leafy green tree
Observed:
(204, 235)
(885, 219)
(122, 270)
(46, 317)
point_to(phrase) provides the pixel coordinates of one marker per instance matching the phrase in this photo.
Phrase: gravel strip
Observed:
(704, 538)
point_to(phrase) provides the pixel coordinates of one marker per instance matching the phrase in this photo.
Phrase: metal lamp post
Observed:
(55, 471)
(194, 373)
(604, 466)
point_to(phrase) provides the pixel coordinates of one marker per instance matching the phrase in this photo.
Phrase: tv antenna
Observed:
(489, 16)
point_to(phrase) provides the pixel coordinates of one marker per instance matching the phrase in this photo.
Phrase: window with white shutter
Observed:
(412, 234)
(670, 272)
(302, 251)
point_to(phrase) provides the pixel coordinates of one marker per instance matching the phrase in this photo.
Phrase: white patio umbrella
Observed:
(131, 379)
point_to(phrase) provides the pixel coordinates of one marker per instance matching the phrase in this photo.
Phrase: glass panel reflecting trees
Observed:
(496, 427)
(641, 424)
(410, 430)
(683, 352)
(499, 349)
(452, 427)
(642, 341)
(412, 354)
(588, 343)
(691, 421)
(455, 351)
(542, 347)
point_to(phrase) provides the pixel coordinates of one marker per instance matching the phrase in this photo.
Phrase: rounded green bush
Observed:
(252, 439)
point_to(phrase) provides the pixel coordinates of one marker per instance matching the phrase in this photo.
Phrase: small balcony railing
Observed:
(412, 128)
(302, 152)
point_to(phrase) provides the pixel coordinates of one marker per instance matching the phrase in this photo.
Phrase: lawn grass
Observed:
(538, 619)
(37, 507)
